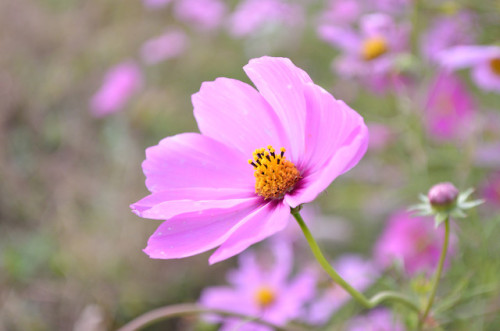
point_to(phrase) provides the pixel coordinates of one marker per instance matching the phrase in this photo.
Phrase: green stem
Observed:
(367, 303)
(442, 258)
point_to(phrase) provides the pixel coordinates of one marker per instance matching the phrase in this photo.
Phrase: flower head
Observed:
(412, 242)
(491, 189)
(484, 61)
(201, 14)
(253, 15)
(203, 184)
(120, 83)
(267, 293)
(370, 53)
(443, 195)
(449, 108)
(360, 273)
(169, 45)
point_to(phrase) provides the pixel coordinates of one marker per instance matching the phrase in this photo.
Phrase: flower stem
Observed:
(367, 303)
(162, 313)
(442, 258)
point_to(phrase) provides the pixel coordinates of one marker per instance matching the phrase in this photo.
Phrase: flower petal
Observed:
(281, 83)
(265, 221)
(346, 157)
(168, 209)
(193, 160)
(465, 56)
(329, 124)
(485, 78)
(151, 204)
(234, 113)
(341, 37)
(193, 233)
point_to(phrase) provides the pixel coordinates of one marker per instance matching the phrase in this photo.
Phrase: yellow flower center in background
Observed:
(264, 296)
(495, 65)
(373, 48)
(274, 174)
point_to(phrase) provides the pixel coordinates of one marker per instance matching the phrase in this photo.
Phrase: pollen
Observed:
(495, 65)
(274, 174)
(264, 296)
(373, 48)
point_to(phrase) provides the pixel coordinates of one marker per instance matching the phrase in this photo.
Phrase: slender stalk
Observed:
(368, 303)
(437, 276)
(393, 296)
(166, 312)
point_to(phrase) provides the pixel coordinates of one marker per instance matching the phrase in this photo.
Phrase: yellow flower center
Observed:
(373, 48)
(264, 296)
(274, 174)
(495, 65)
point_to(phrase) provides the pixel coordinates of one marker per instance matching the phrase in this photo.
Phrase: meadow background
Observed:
(70, 248)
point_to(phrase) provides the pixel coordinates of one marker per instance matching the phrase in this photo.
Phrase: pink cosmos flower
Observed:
(449, 110)
(266, 293)
(360, 273)
(371, 53)
(380, 136)
(120, 83)
(376, 320)
(201, 14)
(446, 32)
(252, 15)
(413, 242)
(491, 189)
(169, 45)
(484, 61)
(203, 184)
(155, 4)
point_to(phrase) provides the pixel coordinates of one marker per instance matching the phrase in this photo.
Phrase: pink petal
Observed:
(341, 37)
(485, 78)
(465, 56)
(336, 139)
(168, 209)
(376, 25)
(193, 233)
(265, 221)
(226, 298)
(346, 157)
(151, 201)
(281, 83)
(328, 123)
(192, 160)
(234, 113)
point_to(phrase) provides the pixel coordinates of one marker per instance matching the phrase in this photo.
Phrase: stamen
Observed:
(495, 65)
(274, 174)
(264, 296)
(373, 48)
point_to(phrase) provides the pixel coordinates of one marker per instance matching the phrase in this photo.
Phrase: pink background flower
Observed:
(449, 110)
(201, 14)
(252, 15)
(412, 242)
(119, 84)
(284, 301)
(169, 45)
